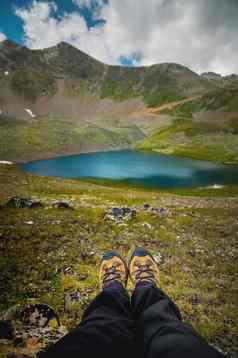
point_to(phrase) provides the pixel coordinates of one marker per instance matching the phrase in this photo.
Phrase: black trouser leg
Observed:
(106, 330)
(159, 328)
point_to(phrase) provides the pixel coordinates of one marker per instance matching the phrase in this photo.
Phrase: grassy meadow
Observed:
(47, 252)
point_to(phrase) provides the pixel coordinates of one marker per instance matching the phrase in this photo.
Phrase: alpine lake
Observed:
(137, 168)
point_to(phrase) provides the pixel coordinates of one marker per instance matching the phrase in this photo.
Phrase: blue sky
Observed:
(201, 35)
(11, 25)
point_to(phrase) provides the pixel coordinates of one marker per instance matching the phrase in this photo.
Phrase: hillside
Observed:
(59, 101)
(204, 127)
(35, 74)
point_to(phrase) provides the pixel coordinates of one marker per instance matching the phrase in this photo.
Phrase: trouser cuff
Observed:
(114, 286)
(145, 284)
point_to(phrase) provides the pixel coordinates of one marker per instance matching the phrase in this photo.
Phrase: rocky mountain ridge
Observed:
(59, 101)
(33, 74)
(221, 81)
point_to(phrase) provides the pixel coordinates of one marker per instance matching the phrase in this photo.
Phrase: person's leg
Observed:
(107, 329)
(158, 321)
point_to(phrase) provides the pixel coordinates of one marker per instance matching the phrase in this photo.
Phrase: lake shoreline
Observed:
(133, 168)
(65, 153)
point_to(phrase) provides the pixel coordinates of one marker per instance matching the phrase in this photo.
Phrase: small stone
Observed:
(61, 205)
(195, 300)
(54, 222)
(67, 270)
(162, 212)
(70, 299)
(87, 255)
(120, 214)
(147, 226)
(157, 257)
(125, 211)
(36, 205)
(29, 222)
(19, 342)
(146, 206)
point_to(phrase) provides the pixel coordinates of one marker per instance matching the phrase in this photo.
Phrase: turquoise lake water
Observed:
(137, 168)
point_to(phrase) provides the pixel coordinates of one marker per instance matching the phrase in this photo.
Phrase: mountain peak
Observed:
(12, 55)
(10, 44)
(61, 46)
(221, 81)
(64, 44)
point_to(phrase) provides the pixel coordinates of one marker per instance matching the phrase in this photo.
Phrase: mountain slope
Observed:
(205, 127)
(86, 105)
(32, 75)
(221, 81)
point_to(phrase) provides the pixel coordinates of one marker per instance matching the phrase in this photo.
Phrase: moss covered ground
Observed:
(49, 252)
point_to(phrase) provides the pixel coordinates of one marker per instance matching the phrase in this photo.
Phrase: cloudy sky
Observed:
(200, 34)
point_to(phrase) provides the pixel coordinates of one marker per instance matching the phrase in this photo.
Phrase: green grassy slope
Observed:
(156, 85)
(205, 128)
(22, 141)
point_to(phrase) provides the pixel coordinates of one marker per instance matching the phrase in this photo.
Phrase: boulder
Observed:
(39, 315)
(18, 203)
(116, 212)
(125, 211)
(120, 214)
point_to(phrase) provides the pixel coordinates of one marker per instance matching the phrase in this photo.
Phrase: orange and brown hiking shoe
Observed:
(142, 267)
(112, 268)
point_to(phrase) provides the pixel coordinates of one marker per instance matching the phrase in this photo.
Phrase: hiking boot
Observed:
(112, 269)
(143, 268)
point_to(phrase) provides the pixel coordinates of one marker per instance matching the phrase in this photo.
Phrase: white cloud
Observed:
(95, 4)
(201, 35)
(2, 37)
(42, 29)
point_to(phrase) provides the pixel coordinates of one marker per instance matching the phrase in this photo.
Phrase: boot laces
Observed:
(144, 269)
(111, 274)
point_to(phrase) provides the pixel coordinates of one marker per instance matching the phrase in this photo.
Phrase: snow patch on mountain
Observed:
(6, 162)
(29, 111)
